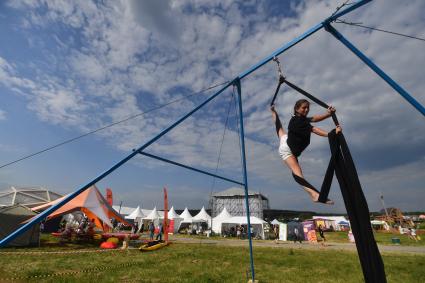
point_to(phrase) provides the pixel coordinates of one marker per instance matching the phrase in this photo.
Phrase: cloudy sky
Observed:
(69, 67)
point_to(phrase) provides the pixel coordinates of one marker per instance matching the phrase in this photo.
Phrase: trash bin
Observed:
(395, 241)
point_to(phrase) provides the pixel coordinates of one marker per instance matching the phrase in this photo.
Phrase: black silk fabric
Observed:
(355, 202)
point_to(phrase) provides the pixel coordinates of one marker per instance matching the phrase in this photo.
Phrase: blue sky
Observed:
(68, 68)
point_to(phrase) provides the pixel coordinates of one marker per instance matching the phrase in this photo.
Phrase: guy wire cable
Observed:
(108, 126)
(381, 30)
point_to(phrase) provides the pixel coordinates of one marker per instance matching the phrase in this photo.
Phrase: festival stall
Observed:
(91, 203)
(203, 217)
(380, 225)
(331, 222)
(309, 231)
(154, 217)
(295, 231)
(137, 216)
(283, 232)
(11, 218)
(174, 221)
(188, 225)
(257, 225)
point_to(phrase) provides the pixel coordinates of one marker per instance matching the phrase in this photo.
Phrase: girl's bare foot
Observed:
(315, 196)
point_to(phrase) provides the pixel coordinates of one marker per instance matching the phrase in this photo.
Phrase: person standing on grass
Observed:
(412, 234)
(90, 228)
(151, 230)
(276, 232)
(159, 235)
(322, 235)
(125, 242)
(297, 235)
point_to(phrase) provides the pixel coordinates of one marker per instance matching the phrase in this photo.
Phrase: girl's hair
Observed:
(299, 103)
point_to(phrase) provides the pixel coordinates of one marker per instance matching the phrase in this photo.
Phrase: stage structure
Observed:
(233, 199)
(236, 82)
(28, 196)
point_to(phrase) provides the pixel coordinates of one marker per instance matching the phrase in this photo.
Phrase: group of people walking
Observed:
(151, 228)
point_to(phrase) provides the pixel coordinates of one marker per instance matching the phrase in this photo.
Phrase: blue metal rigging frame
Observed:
(236, 82)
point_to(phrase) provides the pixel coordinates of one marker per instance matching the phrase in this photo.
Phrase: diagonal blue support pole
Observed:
(237, 83)
(190, 168)
(376, 69)
(40, 217)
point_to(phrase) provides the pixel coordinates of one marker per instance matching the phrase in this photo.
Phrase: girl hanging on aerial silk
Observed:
(293, 143)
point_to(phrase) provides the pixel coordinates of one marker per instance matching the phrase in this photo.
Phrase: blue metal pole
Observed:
(302, 37)
(376, 69)
(190, 168)
(237, 83)
(347, 10)
(50, 210)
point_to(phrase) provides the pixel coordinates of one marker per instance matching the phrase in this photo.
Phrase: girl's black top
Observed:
(299, 132)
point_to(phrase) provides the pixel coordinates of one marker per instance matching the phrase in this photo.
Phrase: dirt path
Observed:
(304, 245)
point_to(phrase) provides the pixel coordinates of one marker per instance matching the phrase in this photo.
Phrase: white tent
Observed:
(152, 216)
(186, 216)
(377, 224)
(174, 220)
(136, 215)
(256, 223)
(203, 216)
(283, 231)
(216, 221)
(172, 214)
(189, 222)
(275, 222)
(123, 210)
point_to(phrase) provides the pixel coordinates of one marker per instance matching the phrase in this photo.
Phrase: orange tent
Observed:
(91, 203)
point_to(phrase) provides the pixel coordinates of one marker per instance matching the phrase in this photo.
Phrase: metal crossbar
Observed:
(190, 168)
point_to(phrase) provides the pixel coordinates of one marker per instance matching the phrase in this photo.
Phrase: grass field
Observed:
(381, 238)
(200, 263)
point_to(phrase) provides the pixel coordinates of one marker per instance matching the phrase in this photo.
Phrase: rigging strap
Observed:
(281, 79)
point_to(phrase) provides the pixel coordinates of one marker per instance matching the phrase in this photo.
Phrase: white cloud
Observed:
(157, 16)
(2, 115)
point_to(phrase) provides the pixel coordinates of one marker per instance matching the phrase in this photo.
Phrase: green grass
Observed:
(204, 263)
(380, 237)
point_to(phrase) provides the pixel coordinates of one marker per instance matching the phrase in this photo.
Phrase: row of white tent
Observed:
(138, 214)
(215, 224)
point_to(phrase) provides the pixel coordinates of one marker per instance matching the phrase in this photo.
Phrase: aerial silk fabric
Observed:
(355, 202)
